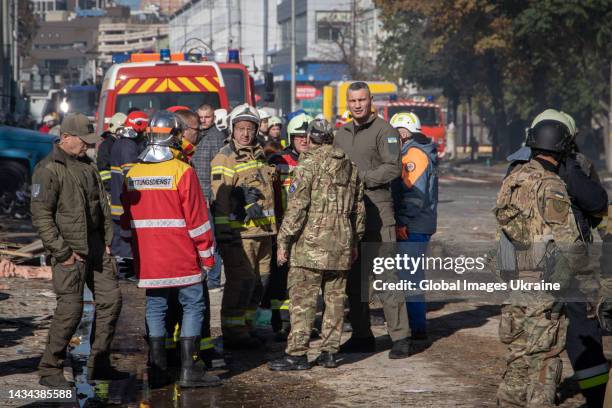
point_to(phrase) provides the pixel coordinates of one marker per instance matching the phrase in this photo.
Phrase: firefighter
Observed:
(285, 163)
(124, 154)
(243, 204)
(104, 150)
(173, 241)
(262, 135)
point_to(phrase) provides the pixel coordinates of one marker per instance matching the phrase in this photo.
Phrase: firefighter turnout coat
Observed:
(170, 229)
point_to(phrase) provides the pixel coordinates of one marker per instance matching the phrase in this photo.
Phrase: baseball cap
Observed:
(77, 124)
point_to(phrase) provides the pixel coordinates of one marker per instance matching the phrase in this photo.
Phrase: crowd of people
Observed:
(175, 196)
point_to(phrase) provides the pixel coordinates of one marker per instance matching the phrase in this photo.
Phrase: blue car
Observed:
(20, 150)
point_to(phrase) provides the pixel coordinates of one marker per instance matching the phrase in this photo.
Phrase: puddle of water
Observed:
(136, 392)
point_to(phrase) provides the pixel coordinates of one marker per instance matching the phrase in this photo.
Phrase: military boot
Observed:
(359, 345)
(289, 363)
(55, 381)
(158, 361)
(193, 370)
(400, 349)
(327, 360)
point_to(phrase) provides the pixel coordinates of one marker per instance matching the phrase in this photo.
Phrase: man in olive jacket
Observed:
(373, 145)
(72, 216)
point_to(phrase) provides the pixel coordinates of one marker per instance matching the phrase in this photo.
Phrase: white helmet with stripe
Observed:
(407, 120)
(244, 112)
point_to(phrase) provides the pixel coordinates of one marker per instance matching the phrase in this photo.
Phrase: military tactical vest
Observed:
(532, 209)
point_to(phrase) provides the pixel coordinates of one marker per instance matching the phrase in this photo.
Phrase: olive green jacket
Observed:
(64, 209)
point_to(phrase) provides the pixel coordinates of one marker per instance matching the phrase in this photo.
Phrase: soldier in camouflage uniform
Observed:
(534, 213)
(322, 226)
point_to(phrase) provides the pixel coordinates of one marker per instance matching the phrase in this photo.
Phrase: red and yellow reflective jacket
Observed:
(171, 233)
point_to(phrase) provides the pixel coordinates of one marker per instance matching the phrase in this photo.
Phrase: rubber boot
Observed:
(158, 362)
(193, 369)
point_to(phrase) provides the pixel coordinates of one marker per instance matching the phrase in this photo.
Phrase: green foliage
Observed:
(514, 57)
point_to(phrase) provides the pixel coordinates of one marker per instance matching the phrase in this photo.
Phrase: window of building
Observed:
(331, 25)
(300, 31)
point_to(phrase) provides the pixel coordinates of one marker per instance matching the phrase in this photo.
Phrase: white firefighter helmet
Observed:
(244, 112)
(556, 116)
(116, 121)
(263, 115)
(407, 120)
(221, 119)
(164, 131)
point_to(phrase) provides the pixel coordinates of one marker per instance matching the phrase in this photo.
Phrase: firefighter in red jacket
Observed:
(166, 214)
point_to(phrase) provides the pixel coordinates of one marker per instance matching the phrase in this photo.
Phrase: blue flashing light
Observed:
(233, 55)
(430, 98)
(164, 55)
(119, 58)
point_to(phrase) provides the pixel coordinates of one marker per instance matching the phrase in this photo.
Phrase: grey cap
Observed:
(77, 124)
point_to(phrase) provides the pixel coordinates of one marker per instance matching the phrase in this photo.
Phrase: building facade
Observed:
(248, 25)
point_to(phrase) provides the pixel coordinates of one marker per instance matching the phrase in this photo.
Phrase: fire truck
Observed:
(154, 81)
(430, 115)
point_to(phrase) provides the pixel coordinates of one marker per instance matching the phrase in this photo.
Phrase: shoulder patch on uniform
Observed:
(35, 190)
(293, 187)
(392, 140)
(410, 166)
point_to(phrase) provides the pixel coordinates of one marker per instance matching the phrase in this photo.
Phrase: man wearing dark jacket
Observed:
(415, 197)
(373, 145)
(72, 216)
(104, 150)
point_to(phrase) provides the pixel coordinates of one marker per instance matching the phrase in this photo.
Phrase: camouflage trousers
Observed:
(304, 285)
(535, 335)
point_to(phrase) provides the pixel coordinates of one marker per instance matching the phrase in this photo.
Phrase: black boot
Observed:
(101, 369)
(359, 345)
(158, 361)
(193, 370)
(55, 381)
(400, 349)
(242, 343)
(213, 359)
(289, 363)
(327, 360)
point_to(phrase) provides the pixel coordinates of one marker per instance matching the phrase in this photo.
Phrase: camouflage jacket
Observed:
(533, 208)
(325, 215)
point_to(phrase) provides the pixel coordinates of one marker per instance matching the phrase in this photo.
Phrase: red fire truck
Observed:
(430, 114)
(153, 81)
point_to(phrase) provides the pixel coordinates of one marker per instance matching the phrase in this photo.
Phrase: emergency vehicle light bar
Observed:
(156, 57)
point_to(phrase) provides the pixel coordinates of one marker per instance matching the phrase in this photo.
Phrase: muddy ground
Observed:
(458, 366)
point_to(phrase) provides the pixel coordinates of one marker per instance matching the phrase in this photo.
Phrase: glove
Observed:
(604, 313)
(251, 194)
(253, 211)
(401, 232)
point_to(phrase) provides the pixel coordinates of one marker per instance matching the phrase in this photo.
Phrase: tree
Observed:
(514, 57)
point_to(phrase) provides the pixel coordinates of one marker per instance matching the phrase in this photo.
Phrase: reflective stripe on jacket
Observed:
(233, 169)
(168, 217)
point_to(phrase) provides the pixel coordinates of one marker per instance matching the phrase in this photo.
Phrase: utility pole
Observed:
(293, 56)
(240, 26)
(265, 35)
(210, 32)
(229, 24)
(608, 137)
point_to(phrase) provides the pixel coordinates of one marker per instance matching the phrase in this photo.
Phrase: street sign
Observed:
(306, 92)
